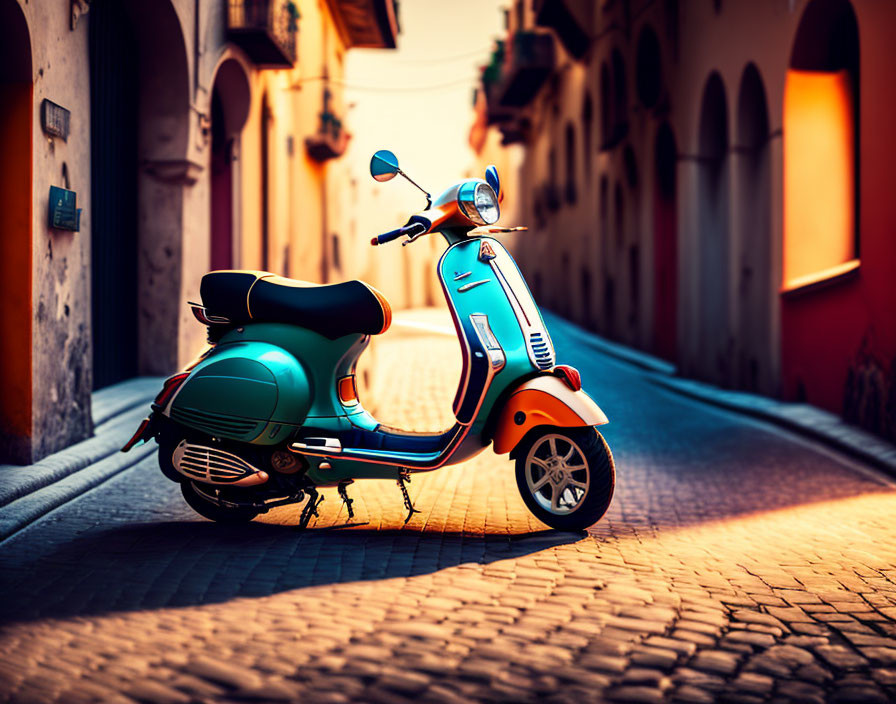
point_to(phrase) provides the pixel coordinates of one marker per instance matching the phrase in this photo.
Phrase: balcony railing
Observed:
(530, 62)
(265, 29)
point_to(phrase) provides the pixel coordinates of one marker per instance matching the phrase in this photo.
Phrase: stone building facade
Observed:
(710, 181)
(195, 134)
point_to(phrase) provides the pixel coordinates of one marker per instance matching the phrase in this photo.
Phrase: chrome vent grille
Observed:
(216, 424)
(208, 464)
(542, 350)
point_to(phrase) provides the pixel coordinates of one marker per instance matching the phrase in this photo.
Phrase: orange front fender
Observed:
(544, 400)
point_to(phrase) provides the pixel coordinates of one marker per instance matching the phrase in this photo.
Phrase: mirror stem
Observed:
(413, 183)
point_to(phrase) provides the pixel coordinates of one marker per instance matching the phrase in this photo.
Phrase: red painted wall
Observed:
(852, 324)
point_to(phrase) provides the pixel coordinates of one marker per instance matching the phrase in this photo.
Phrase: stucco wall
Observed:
(61, 369)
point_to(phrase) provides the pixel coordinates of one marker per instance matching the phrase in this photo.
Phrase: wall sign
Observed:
(64, 215)
(55, 119)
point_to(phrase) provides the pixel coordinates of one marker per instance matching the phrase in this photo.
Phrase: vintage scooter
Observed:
(270, 413)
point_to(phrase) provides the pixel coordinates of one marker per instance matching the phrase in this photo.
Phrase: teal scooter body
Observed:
(270, 413)
(263, 382)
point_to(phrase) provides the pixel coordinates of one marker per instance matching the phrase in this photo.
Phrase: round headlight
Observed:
(487, 204)
(479, 203)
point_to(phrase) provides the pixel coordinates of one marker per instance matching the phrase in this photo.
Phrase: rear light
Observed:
(138, 437)
(171, 385)
(570, 376)
(348, 391)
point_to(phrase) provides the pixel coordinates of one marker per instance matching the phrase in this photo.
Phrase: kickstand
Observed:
(343, 494)
(405, 477)
(310, 508)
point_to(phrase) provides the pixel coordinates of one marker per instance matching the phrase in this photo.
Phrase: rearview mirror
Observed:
(491, 178)
(383, 165)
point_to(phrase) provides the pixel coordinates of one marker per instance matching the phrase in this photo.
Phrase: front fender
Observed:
(544, 400)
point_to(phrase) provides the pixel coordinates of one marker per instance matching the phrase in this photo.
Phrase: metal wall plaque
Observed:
(54, 119)
(64, 215)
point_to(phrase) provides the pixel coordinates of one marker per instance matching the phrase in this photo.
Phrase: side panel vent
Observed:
(542, 349)
(216, 424)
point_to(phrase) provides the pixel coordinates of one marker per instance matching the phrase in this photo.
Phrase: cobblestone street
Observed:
(737, 563)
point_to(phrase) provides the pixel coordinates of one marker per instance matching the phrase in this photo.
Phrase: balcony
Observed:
(529, 64)
(265, 29)
(368, 24)
(495, 112)
(331, 138)
(571, 20)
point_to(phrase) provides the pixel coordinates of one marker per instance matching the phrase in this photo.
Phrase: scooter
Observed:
(269, 413)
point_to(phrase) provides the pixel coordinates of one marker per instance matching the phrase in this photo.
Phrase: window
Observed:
(820, 171)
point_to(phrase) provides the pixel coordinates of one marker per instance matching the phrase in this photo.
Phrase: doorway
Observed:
(229, 110)
(16, 92)
(113, 157)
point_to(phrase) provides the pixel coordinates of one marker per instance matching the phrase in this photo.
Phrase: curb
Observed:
(29, 492)
(803, 419)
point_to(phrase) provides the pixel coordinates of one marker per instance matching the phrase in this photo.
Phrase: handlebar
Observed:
(416, 228)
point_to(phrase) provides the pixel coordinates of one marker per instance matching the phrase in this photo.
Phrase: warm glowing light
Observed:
(819, 164)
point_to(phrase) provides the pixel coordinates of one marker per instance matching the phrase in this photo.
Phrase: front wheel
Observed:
(566, 476)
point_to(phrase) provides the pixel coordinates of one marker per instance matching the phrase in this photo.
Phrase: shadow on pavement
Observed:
(174, 564)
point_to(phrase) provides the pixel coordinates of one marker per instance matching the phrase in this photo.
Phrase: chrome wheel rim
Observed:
(557, 474)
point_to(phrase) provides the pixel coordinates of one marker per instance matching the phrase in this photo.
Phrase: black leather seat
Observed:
(333, 310)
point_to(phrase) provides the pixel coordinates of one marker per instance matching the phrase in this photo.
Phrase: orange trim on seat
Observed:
(384, 304)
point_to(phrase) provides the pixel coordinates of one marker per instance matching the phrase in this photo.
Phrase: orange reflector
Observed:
(348, 392)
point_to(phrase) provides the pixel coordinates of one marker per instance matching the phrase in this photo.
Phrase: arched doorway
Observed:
(714, 339)
(140, 115)
(16, 111)
(229, 110)
(665, 243)
(754, 285)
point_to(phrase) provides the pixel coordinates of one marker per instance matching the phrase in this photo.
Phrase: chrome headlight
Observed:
(478, 201)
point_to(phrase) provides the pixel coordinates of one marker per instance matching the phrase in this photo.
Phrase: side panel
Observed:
(240, 389)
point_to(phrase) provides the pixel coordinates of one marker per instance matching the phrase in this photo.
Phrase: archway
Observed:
(16, 109)
(665, 243)
(821, 238)
(140, 116)
(820, 143)
(754, 283)
(714, 338)
(229, 109)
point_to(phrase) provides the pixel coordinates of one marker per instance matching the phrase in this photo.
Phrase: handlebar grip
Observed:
(387, 236)
(395, 234)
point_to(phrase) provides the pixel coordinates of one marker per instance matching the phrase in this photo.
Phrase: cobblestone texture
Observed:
(736, 564)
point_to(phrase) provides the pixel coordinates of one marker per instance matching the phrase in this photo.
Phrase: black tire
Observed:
(214, 512)
(582, 506)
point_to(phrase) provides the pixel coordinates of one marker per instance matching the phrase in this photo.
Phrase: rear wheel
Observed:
(207, 508)
(566, 476)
